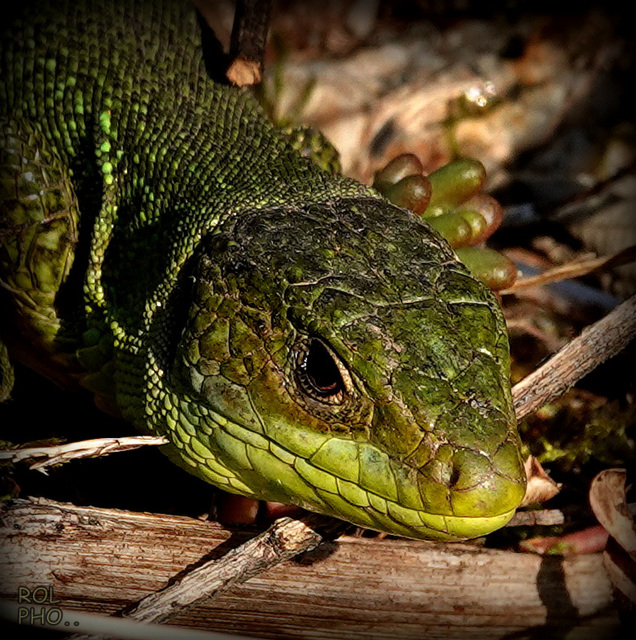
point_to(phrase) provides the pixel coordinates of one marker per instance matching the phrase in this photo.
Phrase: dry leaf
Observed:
(540, 486)
(608, 499)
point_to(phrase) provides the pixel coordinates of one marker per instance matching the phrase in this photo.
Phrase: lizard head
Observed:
(340, 358)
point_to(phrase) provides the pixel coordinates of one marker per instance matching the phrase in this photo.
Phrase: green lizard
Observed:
(293, 334)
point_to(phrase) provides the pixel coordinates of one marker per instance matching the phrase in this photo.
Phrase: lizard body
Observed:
(294, 335)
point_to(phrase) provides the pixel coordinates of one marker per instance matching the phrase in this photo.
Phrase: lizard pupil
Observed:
(319, 374)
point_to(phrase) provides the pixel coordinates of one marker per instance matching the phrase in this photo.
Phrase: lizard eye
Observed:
(318, 373)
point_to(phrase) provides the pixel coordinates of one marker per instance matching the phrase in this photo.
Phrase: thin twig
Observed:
(597, 343)
(573, 269)
(60, 453)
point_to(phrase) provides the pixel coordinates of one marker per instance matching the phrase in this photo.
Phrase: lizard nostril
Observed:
(453, 479)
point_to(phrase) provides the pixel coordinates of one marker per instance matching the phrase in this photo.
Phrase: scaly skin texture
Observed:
(294, 335)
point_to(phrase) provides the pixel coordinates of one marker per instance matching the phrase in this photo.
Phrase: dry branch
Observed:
(573, 269)
(102, 560)
(247, 46)
(285, 539)
(57, 454)
(597, 343)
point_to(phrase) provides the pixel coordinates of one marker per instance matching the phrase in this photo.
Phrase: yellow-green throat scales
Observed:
(294, 335)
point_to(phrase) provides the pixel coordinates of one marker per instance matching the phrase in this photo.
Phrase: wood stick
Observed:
(247, 44)
(56, 454)
(597, 343)
(100, 560)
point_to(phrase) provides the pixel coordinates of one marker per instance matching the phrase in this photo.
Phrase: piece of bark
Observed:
(102, 560)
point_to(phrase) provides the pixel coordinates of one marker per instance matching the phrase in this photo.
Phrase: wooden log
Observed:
(101, 560)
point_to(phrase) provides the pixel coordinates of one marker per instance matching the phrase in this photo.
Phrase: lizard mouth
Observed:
(467, 496)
